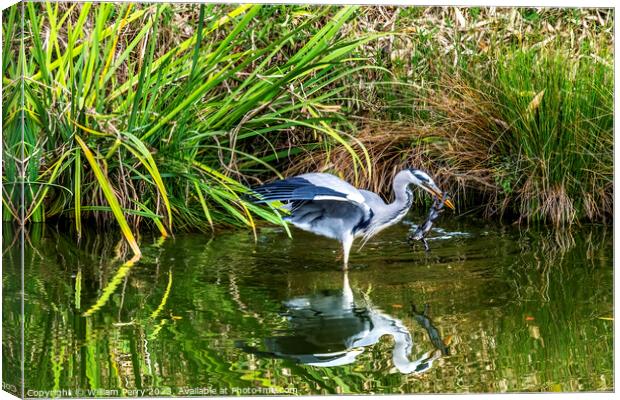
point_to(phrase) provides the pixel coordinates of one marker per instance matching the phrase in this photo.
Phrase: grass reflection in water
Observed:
(525, 311)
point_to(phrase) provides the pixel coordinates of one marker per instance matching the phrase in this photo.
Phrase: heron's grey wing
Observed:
(315, 187)
(320, 203)
(334, 183)
(296, 189)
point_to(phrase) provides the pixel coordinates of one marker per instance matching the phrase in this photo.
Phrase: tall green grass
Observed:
(535, 134)
(557, 148)
(141, 113)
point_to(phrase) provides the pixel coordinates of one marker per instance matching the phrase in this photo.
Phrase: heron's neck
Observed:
(403, 343)
(403, 346)
(402, 349)
(403, 198)
(389, 214)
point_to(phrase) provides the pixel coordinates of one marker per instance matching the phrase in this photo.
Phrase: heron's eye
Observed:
(421, 177)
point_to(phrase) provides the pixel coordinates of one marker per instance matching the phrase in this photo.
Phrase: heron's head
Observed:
(423, 180)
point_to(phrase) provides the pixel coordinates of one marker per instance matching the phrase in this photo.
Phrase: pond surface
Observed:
(489, 309)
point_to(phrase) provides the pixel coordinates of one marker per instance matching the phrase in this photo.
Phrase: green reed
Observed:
(158, 114)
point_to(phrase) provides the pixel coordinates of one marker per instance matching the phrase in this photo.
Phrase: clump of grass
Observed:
(160, 113)
(538, 130)
(559, 142)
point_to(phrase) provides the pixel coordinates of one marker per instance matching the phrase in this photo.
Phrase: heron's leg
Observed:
(346, 247)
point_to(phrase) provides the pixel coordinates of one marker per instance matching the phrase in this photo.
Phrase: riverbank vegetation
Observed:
(161, 116)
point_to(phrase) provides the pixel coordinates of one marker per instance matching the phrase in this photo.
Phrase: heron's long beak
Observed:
(434, 191)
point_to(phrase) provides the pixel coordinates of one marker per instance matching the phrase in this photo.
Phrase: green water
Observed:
(507, 310)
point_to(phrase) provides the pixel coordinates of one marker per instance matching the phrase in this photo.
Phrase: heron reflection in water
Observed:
(329, 329)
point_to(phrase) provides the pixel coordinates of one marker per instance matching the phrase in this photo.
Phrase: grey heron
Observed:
(328, 206)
